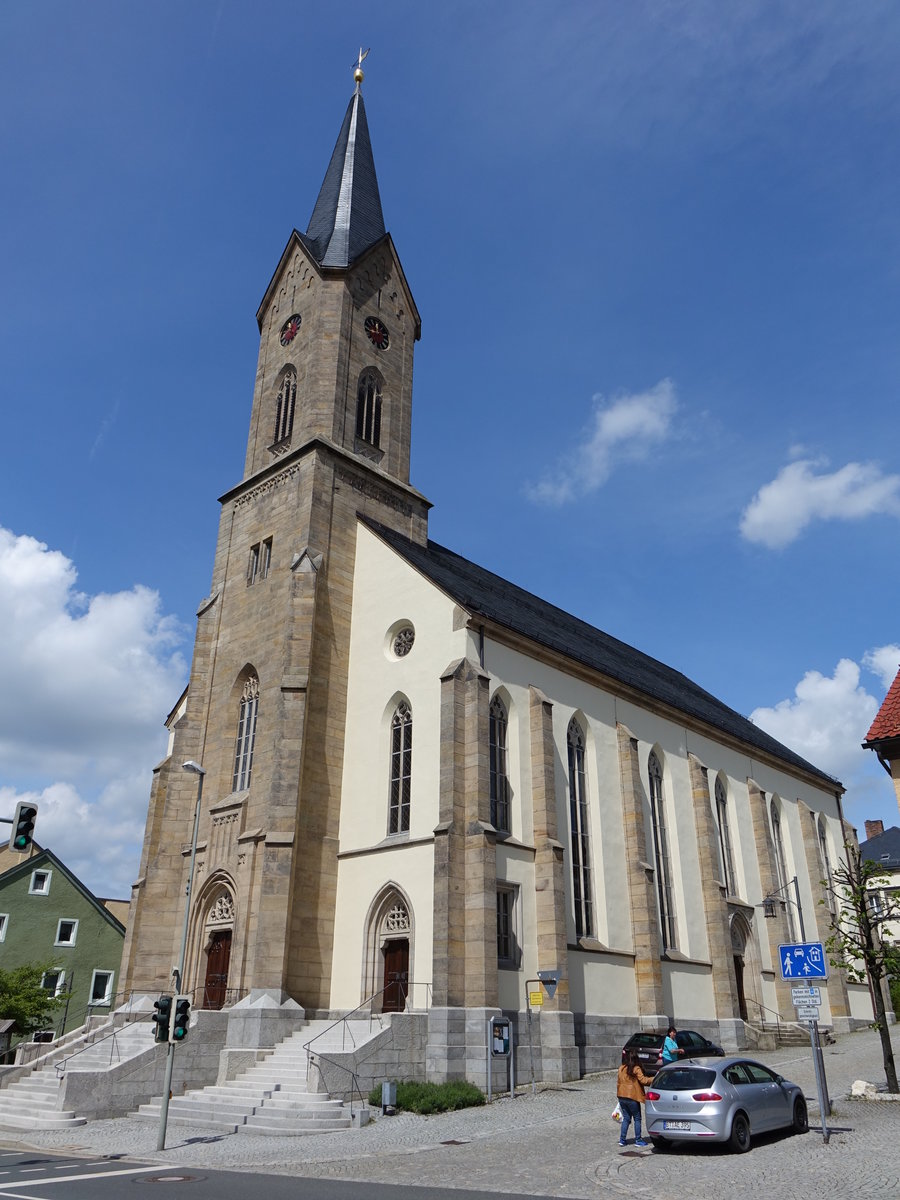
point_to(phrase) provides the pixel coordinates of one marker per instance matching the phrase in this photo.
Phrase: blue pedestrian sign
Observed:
(803, 960)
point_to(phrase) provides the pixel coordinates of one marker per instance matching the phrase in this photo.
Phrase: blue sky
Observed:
(655, 248)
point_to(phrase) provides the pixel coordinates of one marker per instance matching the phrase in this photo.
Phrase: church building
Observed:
(425, 787)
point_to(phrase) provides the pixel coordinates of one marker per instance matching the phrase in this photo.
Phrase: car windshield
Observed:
(685, 1079)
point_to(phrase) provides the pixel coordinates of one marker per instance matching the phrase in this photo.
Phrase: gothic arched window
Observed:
(246, 735)
(401, 768)
(284, 407)
(724, 838)
(582, 891)
(368, 408)
(781, 870)
(661, 853)
(498, 722)
(826, 865)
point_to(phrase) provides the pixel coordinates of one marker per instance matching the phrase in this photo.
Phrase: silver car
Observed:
(730, 1100)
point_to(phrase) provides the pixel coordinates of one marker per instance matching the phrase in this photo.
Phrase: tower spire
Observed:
(347, 218)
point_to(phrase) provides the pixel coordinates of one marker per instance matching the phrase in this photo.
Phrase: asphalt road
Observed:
(59, 1177)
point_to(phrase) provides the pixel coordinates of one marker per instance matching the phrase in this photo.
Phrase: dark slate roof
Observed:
(883, 849)
(481, 592)
(887, 720)
(347, 218)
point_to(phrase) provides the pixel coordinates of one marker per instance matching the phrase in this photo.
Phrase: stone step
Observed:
(260, 1124)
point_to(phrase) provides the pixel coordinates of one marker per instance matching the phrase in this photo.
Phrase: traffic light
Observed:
(181, 1018)
(161, 1018)
(22, 827)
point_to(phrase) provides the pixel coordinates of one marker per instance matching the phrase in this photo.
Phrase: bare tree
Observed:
(863, 919)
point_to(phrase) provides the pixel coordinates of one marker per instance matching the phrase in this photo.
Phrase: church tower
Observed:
(264, 711)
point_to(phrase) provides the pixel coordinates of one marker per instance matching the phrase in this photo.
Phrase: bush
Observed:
(425, 1098)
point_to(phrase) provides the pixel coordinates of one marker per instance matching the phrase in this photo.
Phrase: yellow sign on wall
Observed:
(536, 999)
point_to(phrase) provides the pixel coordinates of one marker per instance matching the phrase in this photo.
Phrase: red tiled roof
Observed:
(887, 719)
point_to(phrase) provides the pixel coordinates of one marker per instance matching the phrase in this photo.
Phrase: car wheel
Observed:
(800, 1122)
(740, 1134)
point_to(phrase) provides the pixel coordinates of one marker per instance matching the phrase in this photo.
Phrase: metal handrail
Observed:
(367, 1003)
(314, 1057)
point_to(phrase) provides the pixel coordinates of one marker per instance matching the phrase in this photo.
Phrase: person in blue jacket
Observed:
(671, 1050)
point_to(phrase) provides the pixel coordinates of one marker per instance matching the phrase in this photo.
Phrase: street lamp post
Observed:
(770, 904)
(178, 972)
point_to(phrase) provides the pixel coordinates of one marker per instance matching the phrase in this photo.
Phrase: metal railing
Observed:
(314, 1058)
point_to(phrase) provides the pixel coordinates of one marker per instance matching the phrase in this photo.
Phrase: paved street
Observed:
(560, 1142)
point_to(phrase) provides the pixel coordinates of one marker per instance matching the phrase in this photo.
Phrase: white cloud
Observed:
(825, 720)
(781, 510)
(87, 683)
(884, 662)
(626, 429)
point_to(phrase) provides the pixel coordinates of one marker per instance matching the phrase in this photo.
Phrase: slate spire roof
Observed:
(887, 720)
(484, 594)
(347, 218)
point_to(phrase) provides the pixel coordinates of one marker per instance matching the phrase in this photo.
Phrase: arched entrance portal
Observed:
(389, 951)
(219, 931)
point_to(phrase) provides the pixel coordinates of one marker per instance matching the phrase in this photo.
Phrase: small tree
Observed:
(861, 919)
(24, 1000)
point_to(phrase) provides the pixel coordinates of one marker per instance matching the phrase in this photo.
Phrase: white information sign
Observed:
(807, 1013)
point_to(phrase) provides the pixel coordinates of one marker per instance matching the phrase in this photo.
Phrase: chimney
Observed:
(874, 828)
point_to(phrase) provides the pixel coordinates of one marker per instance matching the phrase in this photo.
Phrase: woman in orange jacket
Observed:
(630, 1093)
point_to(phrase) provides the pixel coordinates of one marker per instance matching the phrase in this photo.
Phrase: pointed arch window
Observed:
(826, 865)
(368, 408)
(661, 853)
(724, 838)
(781, 870)
(401, 769)
(284, 406)
(498, 725)
(582, 890)
(246, 735)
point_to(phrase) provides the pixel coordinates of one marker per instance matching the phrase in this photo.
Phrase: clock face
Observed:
(290, 329)
(378, 334)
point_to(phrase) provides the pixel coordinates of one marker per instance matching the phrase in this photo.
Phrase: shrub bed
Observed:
(425, 1098)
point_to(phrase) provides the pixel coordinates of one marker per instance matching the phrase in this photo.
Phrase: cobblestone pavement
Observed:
(559, 1142)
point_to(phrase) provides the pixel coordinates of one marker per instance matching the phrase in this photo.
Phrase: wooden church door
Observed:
(217, 959)
(396, 974)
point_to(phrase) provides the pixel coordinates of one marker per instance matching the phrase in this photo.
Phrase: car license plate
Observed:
(676, 1124)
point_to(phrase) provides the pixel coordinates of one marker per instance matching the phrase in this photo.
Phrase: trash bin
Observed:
(388, 1098)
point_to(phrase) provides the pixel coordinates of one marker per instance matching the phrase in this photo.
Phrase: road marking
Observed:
(78, 1178)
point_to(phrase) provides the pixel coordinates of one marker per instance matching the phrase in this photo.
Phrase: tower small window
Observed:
(284, 406)
(368, 408)
(259, 561)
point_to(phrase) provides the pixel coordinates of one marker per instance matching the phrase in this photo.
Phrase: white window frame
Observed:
(107, 998)
(40, 891)
(60, 981)
(4, 922)
(69, 941)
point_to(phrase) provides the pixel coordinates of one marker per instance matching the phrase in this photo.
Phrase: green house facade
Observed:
(47, 915)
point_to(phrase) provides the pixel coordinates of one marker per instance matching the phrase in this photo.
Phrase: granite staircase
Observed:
(274, 1095)
(33, 1101)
